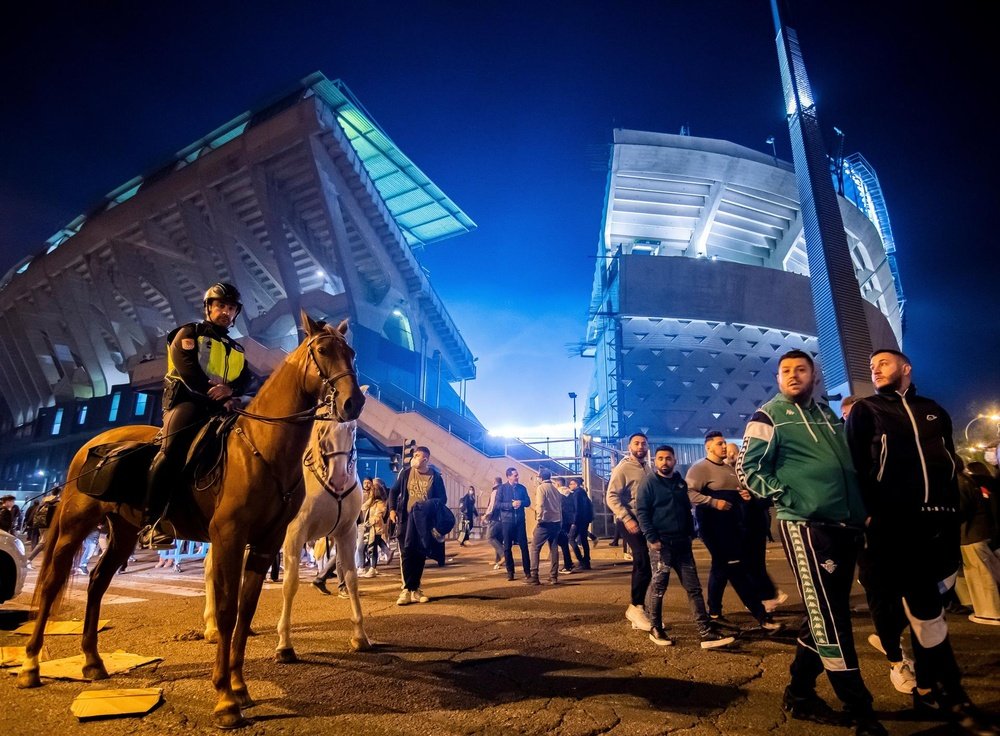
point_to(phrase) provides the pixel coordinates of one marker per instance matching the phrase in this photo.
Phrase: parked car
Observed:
(13, 566)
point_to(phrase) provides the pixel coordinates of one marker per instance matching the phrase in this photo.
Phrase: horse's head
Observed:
(330, 373)
(333, 451)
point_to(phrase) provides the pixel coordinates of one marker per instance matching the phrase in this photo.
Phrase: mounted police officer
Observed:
(206, 372)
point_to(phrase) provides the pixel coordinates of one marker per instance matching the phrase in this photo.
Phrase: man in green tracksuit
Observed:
(794, 452)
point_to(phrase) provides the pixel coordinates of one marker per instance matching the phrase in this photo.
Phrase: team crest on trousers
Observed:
(829, 566)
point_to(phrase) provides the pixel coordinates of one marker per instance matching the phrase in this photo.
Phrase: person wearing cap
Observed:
(721, 508)
(901, 444)
(206, 373)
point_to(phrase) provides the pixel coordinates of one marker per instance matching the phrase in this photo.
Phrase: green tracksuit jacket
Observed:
(798, 457)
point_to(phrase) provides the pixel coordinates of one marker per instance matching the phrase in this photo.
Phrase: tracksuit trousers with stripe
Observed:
(823, 558)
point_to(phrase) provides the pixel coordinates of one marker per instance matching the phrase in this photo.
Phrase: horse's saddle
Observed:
(117, 471)
(207, 455)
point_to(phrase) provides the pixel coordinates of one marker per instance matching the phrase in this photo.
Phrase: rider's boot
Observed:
(160, 479)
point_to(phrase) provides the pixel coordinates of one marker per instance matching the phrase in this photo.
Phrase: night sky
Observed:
(509, 107)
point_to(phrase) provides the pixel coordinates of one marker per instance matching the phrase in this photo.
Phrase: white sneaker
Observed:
(498, 565)
(986, 620)
(637, 615)
(627, 555)
(417, 596)
(404, 598)
(369, 573)
(772, 603)
(902, 677)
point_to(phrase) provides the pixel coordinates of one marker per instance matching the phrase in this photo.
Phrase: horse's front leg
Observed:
(211, 628)
(227, 568)
(294, 539)
(120, 545)
(347, 543)
(257, 564)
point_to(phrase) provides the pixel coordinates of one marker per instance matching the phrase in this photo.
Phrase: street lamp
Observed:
(576, 451)
(991, 417)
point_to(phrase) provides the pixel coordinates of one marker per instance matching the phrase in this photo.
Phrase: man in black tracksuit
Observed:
(902, 448)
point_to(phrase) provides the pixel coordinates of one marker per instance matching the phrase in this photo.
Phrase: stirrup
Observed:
(150, 537)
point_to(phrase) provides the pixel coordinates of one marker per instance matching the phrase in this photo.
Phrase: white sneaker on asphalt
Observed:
(417, 596)
(986, 620)
(498, 565)
(404, 598)
(637, 615)
(772, 603)
(902, 677)
(369, 573)
(627, 555)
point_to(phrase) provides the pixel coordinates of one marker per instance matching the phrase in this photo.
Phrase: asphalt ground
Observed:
(485, 656)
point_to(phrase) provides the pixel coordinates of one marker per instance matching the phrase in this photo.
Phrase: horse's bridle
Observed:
(330, 382)
(328, 401)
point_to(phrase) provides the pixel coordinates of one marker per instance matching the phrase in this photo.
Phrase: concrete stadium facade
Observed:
(702, 281)
(304, 203)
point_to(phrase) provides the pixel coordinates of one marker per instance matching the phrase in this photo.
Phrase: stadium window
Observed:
(140, 404)
(116, 400)
(57, 424)
(81, 416)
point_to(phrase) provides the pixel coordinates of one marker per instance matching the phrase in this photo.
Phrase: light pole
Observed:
(774, 150)
(576, 451)
(991, 417)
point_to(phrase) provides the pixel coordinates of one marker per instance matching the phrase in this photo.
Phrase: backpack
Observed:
(43, 515)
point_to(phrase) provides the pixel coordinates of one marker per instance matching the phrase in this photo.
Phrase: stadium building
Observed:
(702, 281)
(303, 203)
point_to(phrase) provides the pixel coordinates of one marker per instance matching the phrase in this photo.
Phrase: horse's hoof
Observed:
(243, 698)
(212, 637)
(285, 655)
(28, 678)
(230, 718)
(360, 645)
(95, 672)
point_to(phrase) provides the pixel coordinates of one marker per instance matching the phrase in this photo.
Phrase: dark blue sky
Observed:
(509, 108)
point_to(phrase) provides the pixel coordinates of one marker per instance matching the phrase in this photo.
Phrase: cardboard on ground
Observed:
(11, 656)
(106, 703)
(59, 627)
(71, 668)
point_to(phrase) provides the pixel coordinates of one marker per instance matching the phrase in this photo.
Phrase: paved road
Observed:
(486, 656)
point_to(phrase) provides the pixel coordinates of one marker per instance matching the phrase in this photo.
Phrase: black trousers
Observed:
(411, 563)
(757, 521)
(823, 559)
(564, 532)
(579, 538)
(514, 532)
(903, 565)
(180, 424)
(642, 572)
(724, 534)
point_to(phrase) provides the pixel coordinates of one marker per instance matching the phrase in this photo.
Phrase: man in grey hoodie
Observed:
(620, 495)
(548, 505)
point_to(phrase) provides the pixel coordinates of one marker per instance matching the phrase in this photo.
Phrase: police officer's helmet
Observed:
(224, 293)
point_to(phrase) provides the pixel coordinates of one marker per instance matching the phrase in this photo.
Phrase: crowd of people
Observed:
(877, 495)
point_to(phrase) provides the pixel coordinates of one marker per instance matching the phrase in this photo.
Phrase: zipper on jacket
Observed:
(803, 414)
(920, 450)
(883, 456)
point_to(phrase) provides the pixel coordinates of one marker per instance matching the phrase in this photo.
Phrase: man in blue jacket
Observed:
(512, 500)
(663, 509)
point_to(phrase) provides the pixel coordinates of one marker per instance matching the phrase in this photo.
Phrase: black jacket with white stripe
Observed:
(902, 448)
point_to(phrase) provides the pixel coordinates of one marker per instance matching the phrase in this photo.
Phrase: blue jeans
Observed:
(546, 532)
(676, 556)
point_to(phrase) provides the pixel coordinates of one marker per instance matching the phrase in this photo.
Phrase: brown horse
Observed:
(258, 494)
